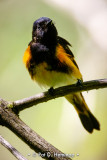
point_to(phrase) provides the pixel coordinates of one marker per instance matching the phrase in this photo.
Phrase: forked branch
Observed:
(9, 119)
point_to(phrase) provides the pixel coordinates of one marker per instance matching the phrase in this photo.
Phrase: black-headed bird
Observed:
(51, 63)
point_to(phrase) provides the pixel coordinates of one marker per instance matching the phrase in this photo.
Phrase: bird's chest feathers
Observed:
(43, 75)
(49, 71)
(50, 78)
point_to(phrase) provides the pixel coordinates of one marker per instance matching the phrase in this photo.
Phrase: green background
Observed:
(56, 120)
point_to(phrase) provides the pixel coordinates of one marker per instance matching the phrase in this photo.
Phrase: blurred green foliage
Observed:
(55, 120)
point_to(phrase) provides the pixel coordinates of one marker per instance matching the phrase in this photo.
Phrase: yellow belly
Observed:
(48, 78)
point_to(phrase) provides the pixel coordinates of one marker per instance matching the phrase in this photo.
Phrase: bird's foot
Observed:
(79, 83)
(51, 91)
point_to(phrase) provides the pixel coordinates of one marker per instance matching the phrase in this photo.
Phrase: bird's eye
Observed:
(39, 27)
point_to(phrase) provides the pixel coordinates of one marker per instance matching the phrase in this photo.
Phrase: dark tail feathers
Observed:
(89, 121)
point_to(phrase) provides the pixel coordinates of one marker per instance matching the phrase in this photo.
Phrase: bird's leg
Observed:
(79, 83)
(51, 91)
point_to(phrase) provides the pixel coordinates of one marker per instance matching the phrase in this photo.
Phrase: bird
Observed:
(51, 63)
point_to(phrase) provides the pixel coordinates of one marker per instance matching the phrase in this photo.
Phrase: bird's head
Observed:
(44, 31)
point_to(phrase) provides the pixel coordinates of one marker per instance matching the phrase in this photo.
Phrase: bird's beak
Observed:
(49, 23)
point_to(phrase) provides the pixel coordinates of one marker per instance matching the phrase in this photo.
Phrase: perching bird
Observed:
(51, 63)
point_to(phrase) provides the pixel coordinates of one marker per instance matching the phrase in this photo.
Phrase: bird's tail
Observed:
(87, 118)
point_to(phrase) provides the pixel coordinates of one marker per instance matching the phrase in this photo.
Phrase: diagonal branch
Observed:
(9, 119)
(22, 104)
(11, 149)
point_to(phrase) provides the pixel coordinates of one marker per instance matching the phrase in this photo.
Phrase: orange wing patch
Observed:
(61, 54)
(27, 56)
(66, 59)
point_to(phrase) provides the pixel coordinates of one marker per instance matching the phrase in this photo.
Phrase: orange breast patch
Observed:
(27, 56)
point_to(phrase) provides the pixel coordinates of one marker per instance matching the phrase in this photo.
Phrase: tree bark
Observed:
(20, 105)
(10, 119)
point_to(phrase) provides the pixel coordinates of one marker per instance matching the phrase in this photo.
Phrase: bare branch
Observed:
(20, 105)
(9, 119)
(11, 149)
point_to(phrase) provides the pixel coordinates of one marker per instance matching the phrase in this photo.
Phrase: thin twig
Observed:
(20, 105)
(11, 149)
